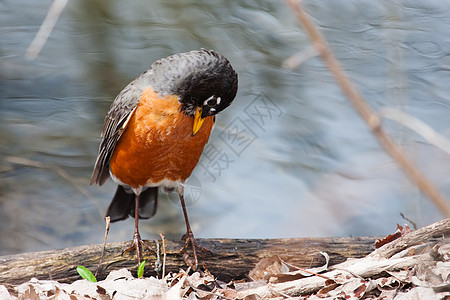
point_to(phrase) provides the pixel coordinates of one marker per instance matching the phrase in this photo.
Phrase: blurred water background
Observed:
(290, 157)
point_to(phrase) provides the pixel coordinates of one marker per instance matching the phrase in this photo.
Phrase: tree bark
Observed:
(418, 248)
(229, 258)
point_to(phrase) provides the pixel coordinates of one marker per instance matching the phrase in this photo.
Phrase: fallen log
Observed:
(411, 264)
(420, 251)
(229, 258)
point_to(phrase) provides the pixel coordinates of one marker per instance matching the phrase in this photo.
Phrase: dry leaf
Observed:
(267, 267)
(4, 294)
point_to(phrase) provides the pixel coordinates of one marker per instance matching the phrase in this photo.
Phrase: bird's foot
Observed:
(138, 245)
(189, 239)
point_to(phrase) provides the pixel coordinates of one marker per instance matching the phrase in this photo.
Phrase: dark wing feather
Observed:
(115, 123)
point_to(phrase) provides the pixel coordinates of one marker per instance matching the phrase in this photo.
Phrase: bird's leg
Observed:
(189, 236)
(137, 241)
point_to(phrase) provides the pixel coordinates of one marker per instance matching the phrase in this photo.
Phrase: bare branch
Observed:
(370, 117)
(46, 28)
(418, 126)
(299, 58)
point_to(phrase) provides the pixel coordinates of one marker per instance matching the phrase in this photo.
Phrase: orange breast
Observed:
(157, 143)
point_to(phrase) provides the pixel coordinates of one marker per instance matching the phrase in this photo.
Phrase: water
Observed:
(306, 164)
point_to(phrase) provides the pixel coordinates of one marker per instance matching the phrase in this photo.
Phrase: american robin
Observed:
(155, 132)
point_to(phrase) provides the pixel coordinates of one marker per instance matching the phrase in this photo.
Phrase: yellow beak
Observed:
(198, 121)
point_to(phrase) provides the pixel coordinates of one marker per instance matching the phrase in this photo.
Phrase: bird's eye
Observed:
(212, 101)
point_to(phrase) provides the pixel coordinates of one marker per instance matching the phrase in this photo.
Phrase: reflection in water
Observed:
(304, 164)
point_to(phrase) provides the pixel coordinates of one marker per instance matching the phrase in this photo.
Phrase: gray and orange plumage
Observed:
(156, 129)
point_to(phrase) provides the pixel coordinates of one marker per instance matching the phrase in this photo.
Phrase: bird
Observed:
(155, 131)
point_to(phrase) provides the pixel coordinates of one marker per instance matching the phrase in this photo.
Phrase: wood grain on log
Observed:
(434, 232)
(229, 258)
(414, 249)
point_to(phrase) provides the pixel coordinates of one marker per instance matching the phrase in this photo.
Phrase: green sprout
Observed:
(86, 274)
(140, 271)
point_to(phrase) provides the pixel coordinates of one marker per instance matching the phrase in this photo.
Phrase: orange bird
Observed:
(155, 132)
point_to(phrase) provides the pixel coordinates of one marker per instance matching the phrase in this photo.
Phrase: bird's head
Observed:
(204, 81)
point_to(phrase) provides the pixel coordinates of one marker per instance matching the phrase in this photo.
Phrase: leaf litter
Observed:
(418, 272)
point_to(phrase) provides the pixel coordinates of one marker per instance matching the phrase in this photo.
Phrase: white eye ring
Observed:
(217, 102)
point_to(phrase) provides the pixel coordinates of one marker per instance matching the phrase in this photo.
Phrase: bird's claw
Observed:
(190, 240)
(138, 244)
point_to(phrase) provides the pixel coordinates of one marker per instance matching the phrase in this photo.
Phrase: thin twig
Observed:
(299, 58)
(414, 225)
(108, 222)
(158, 258)
(418, 126)
(60, 171)
(369, 116)
(306, 271)
(164, 255)
(46, 28)
(219, 296)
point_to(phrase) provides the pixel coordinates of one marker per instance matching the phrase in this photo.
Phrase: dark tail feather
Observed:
(148, 203)
(122, 204)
